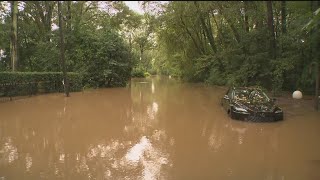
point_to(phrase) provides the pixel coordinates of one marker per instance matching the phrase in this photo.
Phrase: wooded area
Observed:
(272, 44)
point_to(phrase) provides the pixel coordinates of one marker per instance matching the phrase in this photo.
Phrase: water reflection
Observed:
(152, 86)
(28, 162)
(135, 153)
(152, 110)
(9, 151)
(158, 129)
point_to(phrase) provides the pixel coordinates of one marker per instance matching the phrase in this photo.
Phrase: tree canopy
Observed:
(240, 42)
(95, 38)
(271, 44)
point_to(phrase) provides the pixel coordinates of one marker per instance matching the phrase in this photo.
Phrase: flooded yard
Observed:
(157, 129)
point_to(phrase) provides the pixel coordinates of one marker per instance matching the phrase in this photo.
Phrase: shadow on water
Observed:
(157, 129)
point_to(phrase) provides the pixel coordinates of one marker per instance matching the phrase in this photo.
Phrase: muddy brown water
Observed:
(157, 129)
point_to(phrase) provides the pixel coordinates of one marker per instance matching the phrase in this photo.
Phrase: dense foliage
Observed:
(272, 44)
(104, 59)
(95, 43)
(240, 43)
(28, 83)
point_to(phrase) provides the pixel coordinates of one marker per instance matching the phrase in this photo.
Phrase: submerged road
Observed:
(157, 129)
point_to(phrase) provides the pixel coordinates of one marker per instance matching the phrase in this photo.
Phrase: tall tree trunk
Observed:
(199, 37)
(192, 38)
(141, 55)
(234, 30)
(68, 26)
(315, 44)
(283, 17)
(14, 35)
(257, 17)
(45, 11)
(276, 23)
(220, 35)
(206, 28)
(246, 18)
(69, 16)
(62, 58)
(48, 18)
(141, 52)
(272, 42)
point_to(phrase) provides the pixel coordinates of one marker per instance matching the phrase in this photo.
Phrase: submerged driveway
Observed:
(157, 129)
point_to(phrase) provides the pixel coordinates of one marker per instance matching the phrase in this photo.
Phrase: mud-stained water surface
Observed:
(158, 129)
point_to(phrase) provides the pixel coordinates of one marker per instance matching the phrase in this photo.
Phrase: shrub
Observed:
(28, 83)
(146, 74)
(137, 72)
(153, 72)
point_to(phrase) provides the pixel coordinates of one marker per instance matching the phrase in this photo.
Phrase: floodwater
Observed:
(157, 129)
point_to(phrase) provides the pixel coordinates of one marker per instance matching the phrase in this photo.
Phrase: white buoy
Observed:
(169, 76)
(297, 95)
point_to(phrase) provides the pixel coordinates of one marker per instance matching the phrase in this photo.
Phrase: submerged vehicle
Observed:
(250, 104)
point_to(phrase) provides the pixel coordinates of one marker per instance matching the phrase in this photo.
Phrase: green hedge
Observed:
(29, 83)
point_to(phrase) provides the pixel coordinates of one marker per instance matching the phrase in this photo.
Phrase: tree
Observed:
(14, 35)
(62, 56)
(315, 32)
(246, 37)
(283, 17)
(206, 26)
(143, 41)
(272, 44)
(246, 18)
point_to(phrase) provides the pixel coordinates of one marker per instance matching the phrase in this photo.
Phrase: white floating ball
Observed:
(297, 95)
